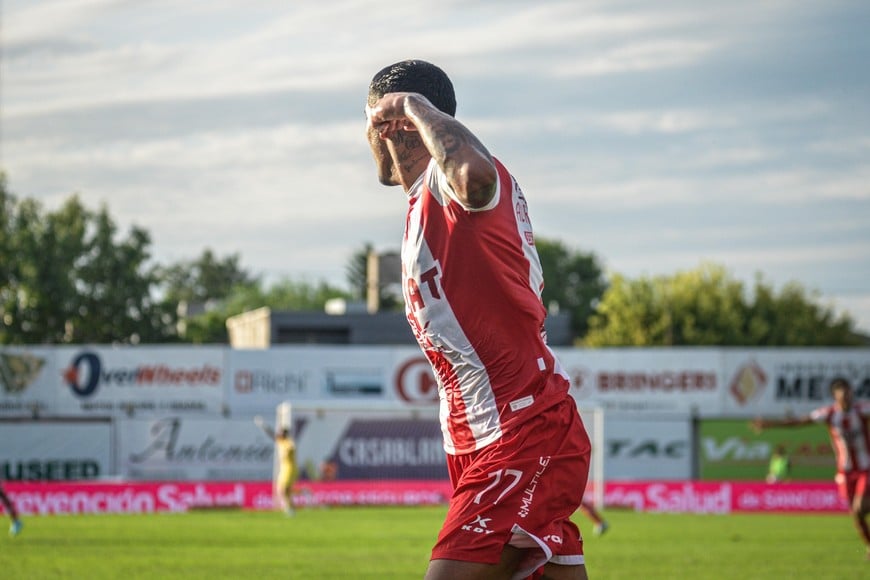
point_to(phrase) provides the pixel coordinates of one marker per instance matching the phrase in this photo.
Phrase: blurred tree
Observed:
(7, 212)
(573, 280)
(295, 295)
(210, 326)
(706, 307)
(116, 286)
(795, 317)
(356, 270)
(67, 279)
(199, 289)
(204, 278)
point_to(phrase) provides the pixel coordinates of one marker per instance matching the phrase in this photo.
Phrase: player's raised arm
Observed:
(758, 424)
(464, 159)
(258, 421)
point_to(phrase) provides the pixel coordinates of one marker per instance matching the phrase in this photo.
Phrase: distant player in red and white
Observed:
(517, 451)
(847, 421)
(599, 524)
(16, 525)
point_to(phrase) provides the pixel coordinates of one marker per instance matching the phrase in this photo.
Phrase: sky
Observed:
(658, 136)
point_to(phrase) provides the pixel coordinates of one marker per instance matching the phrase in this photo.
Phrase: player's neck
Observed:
(410, 166)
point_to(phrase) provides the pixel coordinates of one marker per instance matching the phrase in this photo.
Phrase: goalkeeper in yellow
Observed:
(287, 470)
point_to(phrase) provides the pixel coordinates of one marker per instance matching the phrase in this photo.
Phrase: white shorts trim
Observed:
(535, 558)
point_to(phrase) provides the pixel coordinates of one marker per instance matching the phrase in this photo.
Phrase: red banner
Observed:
(724, 497)
(55, 498)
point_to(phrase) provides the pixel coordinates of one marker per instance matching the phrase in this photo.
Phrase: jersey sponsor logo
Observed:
(528, 495)
(521, 208)
(522, 403)
(553, 539)
(478, 526)
(430, 282)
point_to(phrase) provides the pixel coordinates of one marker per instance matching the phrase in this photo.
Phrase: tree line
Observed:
(70, 277)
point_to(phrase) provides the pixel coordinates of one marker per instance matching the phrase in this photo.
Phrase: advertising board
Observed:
(28, 381)
(189, 449)
(140, 381)
(259, 380)
(730, 450)
(647, 380)
(55, 450)
(647, 448)
(779, 382)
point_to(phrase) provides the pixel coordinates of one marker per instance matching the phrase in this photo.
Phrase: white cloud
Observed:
(675, 112)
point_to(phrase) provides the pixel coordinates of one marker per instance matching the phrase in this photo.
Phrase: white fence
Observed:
(180, 412)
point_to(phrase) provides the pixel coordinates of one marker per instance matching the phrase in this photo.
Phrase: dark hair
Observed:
(415, 76)
(839, 383)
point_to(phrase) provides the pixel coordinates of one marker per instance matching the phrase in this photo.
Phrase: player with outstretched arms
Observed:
(846, 420)
(517, 451)
(287, 469)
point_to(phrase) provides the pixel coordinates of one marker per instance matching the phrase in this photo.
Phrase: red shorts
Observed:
(852, 485)
(520, 490)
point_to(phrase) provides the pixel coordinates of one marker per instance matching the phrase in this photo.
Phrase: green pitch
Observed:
(377, 543)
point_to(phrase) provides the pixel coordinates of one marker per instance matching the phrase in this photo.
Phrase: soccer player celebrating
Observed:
(517, 450)
(847, 425)
(287, 471)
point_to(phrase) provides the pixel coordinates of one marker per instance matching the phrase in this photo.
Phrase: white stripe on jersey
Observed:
(472, 285)
(849, 436)
(418, 264)
(524, 229)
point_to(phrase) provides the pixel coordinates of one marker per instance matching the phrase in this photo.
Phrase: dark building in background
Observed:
(263, 328)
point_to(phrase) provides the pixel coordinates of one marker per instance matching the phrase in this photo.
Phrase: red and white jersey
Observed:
(849, 435)
(472, 284)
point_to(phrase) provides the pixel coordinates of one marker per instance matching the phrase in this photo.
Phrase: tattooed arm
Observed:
(463, 158)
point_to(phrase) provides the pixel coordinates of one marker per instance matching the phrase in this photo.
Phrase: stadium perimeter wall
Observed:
(64, 498)
(183, 414)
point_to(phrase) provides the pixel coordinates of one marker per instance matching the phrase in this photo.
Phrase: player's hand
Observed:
(387, 116)
(757, 425)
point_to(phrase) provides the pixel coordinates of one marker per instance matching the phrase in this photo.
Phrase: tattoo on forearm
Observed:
(446, 140)
(454, 148)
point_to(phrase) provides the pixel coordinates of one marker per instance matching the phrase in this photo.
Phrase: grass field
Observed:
(369, 542)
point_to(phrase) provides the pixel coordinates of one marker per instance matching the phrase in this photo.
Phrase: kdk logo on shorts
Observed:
(478, 526)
